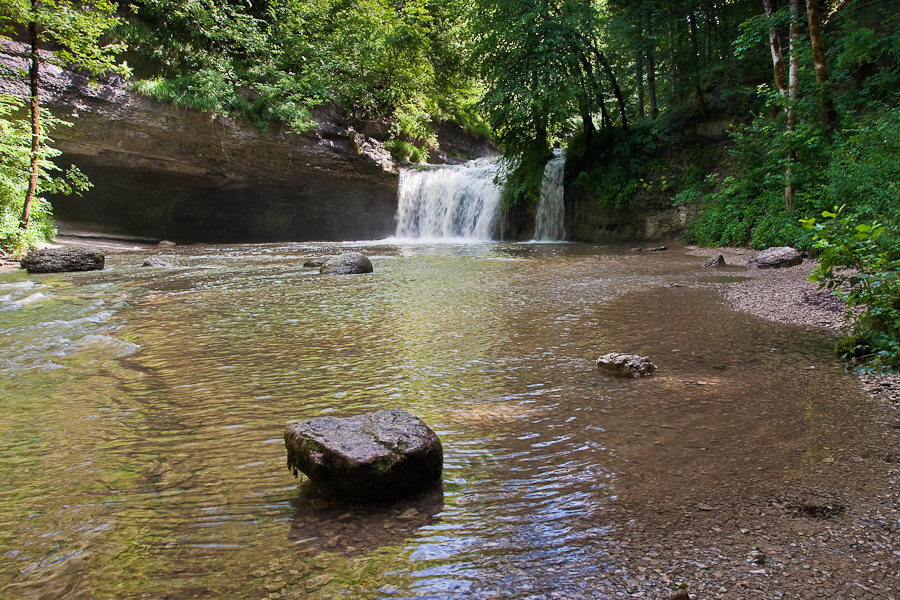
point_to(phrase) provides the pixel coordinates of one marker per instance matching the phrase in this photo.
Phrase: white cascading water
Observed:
(458, 202)
(549, 222)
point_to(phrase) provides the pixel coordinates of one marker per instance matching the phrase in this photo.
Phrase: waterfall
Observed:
(449, 202)
(549, 224)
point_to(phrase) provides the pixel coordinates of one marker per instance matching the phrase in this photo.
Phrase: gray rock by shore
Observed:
(349, 263)
(775, 258)
(383, 455)
(62, 260)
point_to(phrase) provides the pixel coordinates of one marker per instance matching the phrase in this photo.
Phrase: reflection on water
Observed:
(142, 451)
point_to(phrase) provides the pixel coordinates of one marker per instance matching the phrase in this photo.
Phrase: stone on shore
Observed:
(383, 455)
(626, 365)
(716, 262)
(349, 263)
(62, 260)
(775, 258)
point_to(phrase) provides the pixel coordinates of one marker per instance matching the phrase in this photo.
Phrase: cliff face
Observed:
(163, 171)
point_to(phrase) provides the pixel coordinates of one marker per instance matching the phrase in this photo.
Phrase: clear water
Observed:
(141, 449)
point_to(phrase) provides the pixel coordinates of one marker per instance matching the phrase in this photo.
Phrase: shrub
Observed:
(859, 264)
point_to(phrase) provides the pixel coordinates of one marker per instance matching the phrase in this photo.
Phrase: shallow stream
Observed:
(141, 449)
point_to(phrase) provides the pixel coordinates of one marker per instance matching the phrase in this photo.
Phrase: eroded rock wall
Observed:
(164, 171)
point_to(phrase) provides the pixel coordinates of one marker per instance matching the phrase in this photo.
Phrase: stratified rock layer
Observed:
(166, 171)
(376, 456)
(62, 260)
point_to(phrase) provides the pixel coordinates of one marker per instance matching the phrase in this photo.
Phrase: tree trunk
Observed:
(775, 47)
(639, 79)
(617, 91)
(695, 51)
(793, 85)
(651, 68)
(817, 41)
(672, 69)
(35, 114)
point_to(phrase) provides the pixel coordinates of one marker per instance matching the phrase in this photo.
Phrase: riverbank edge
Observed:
(788, 296)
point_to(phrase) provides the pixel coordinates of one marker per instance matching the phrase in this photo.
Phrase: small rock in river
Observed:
(166, 244)
(155, 262)
(349, 263)
(626, 365)
(715, 262)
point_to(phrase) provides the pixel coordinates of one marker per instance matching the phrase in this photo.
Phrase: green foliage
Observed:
(615, 166)
(401, 62)
(860, 264)
(15, 161)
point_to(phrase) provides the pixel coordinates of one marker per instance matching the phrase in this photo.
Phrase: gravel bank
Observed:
(788, 296)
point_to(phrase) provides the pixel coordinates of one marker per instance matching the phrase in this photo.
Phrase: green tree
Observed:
(73, 30)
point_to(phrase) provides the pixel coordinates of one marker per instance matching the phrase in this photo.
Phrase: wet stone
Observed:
(155, 262)
(626, 365)
(349, 263)
(384, 455)
(716, 262)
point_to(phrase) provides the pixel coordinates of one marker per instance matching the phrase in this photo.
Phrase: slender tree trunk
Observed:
(817, 41)
(793, 85)
(695, 51)
(617, 91)
(707, 31)
(672, 68)
(775, 47)
(651, 67)
(35, 114)
(639, 79)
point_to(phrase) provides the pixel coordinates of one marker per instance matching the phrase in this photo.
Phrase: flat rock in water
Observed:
(653, 249)
(166, 244)
(349, 263)
(155, 262)
(626, 365)
(383, 455)
(775, 258)
(715, 262)
(62, 260)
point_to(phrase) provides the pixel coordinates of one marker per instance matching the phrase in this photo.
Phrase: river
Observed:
(141, 449)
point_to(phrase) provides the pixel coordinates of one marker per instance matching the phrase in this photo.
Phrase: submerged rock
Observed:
(383, 455)
(155, 262)
(775, 258)
(349, 263)
(715, 262)
(167, 244)
(626, 365)
(62, 260)
(653, 249)
(315, 263)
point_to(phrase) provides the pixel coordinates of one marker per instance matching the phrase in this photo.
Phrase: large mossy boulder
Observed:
(62, 260)
(349, 263)
(775, 258)
(377, 456)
